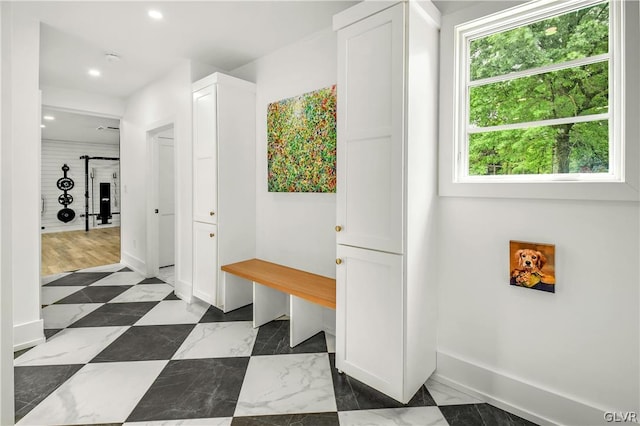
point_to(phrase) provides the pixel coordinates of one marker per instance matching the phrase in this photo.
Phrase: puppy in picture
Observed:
(528, 271)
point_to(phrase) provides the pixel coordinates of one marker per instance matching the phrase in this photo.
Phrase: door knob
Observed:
(212, 235)
(156, 210)
(338, 228)
(338, 261)
(211, 213)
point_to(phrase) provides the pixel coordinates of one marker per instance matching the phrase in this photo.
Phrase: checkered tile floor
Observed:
(122, 349)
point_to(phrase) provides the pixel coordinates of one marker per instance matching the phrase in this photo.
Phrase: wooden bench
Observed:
(273, 284)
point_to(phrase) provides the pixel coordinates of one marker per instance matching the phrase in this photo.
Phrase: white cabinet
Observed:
(223, 186)
(204, 155)
(205, 248)
(386, 194)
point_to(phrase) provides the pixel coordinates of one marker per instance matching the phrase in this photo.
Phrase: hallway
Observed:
(124, 349)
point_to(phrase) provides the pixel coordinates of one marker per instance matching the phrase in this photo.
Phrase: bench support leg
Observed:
(306, 320)
(268, 304)
(238, 292)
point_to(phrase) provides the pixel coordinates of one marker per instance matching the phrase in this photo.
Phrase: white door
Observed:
(166, 202)
(205, 155)
(205, 262)
(369, 318)
(370, 132)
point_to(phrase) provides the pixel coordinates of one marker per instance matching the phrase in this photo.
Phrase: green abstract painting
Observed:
(301, 143)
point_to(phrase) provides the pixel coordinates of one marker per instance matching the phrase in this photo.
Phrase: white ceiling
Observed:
(73, 127)
(76, 36)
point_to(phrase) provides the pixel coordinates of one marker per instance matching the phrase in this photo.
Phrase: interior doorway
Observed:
(80, 198)
(161, 225)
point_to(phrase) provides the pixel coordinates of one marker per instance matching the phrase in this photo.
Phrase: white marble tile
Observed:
(446, 395)
(167, 274)
(174, 312)
(282, 384)
(62, 316)
(104, 268)
(218, 421)
(53, 294)
(71, 346)
(331, 342)
(51, 278)
(120, 278)
(218, 340)
(97, 393)
(409, 416)
(144, 293)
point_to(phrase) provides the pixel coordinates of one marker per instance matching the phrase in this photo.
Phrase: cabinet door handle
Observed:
(338, 261)
(338, 228)
(212, 235)
(211, 213)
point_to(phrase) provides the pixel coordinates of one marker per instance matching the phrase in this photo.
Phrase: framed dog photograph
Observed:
(533, 265)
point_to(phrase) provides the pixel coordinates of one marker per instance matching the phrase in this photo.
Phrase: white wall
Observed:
(565, 357)
(84, 102)
(25, 196)
(163, 101)
(55, 153)
(6, 298)
(293, 229)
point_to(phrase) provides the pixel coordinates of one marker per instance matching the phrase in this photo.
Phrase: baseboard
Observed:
(541, 406)
(329, 321)
(183, 290)
(28, 335)
(134, 263)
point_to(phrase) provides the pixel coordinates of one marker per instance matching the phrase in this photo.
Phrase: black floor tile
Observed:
(114, 314)
(153, 342)
(481, 415)
(16, 354)
(311, 419)
(171, 296)
(32, 384)
(48, 332)
(153, 280)
(193, 388)
(97, 294)
(214, 314)
(125, 269)
(273, 339)
(352, 394)
(79, 278)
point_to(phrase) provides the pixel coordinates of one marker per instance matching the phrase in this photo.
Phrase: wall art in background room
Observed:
(532, 265)
(301, 143)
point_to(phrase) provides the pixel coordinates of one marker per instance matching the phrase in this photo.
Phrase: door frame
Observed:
(153, 223)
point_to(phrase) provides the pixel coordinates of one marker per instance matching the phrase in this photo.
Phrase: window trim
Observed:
(523, 15)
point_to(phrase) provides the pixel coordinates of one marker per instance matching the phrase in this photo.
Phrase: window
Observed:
(538, 94)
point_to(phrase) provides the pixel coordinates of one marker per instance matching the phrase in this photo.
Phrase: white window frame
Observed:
(623, 171)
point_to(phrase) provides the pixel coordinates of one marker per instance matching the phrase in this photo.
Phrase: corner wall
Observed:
(6, 296)
(25, 185)
(293, 229)
(562, 358)
(165, 100)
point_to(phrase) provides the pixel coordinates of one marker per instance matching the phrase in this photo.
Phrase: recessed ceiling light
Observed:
(49, 117)
(94, 72)
(155, 14)
(42, 126)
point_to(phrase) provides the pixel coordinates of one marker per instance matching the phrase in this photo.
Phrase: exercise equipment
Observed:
(108, 214)
(65, 184)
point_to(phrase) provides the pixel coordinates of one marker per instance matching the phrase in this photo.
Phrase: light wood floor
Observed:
(73, 250)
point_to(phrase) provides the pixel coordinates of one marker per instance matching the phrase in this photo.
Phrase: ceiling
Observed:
(77, 35)
(67, 126)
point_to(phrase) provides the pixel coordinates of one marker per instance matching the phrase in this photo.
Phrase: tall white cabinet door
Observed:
(369, 318)
(370, 132)
(205, 260)
(205, 155)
